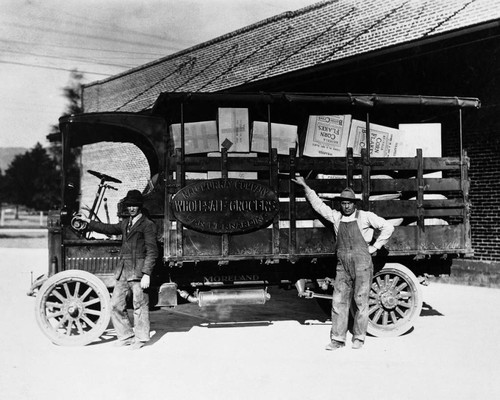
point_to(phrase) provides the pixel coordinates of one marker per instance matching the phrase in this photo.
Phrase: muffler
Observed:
(228, 297)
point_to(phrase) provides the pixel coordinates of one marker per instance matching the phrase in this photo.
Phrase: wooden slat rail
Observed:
(377, 164)
(377, 186)
(277, 171)
(384, 208)
(197, 163)
(325, 165)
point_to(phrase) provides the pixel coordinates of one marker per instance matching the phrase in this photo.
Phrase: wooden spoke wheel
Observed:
(73, 308)
(395, 301)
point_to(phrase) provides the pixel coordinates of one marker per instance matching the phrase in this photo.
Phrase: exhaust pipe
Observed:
(300, 285)
(227, 297)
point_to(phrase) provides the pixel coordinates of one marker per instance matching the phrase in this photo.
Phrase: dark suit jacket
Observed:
(139, 250)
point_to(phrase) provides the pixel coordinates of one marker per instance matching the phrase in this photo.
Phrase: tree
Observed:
(3, 190)
(72, 92)
(33, 180)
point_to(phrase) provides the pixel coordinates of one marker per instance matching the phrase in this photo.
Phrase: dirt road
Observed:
(274, 351)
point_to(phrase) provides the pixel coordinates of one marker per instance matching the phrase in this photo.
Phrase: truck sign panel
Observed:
(225, 206)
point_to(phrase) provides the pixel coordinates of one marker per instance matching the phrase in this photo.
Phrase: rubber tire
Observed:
(404, 323)
(101, 303)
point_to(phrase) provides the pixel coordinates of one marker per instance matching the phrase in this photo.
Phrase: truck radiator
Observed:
(95, 265)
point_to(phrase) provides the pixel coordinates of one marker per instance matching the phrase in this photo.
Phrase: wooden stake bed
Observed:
(266, 217)
(299, 233)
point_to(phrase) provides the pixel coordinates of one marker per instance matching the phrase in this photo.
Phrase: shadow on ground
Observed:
(284, 305)
(428, 311)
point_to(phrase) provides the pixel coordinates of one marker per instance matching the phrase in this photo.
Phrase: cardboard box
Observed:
(284, 137)
(419, 136)
(199, 137)
(234, 129)
(384, 140)
(327, 135)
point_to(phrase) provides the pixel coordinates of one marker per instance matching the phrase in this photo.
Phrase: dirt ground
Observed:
(274, 351)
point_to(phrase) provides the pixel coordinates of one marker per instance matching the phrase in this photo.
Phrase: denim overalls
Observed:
(353, 280)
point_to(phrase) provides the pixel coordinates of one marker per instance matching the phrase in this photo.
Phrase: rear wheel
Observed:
(395, 301)
(73, 308)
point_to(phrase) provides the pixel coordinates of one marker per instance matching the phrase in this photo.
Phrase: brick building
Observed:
(430, 47)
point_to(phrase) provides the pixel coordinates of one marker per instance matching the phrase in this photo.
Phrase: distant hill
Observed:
(7, 154)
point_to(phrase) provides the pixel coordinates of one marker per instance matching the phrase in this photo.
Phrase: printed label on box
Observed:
(327, 135)
(383, 139)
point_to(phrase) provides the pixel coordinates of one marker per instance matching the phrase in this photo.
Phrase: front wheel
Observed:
(395, 301)
(73, 308)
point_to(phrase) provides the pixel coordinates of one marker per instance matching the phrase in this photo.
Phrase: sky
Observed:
(41, 41)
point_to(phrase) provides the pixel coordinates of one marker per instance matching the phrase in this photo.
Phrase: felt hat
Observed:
(133, 198)
(347, 195)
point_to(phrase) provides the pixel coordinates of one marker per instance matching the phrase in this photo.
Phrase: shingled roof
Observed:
(326, 32)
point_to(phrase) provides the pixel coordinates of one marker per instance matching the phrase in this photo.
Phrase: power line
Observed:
(50, 30)
(54, 68)
(83, 48)
(69, 59)
(104, 24)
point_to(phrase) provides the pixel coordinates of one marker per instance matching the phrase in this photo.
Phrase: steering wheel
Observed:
(103, 176)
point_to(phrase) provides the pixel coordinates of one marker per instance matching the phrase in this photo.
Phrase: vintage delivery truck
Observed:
(231, 223)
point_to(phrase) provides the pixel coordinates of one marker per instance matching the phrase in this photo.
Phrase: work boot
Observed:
(357, 344)
(137, 345)
(334, 345)
(124, 342)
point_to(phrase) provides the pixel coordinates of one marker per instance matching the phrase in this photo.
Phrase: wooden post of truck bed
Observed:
(292, 215)
(273, 182)
(365, 159)
(180, 182)
(365, 182)
(167, 225)
(224, 175)
(420, 200)
(464, 167)
(274, 185)
(349, 167)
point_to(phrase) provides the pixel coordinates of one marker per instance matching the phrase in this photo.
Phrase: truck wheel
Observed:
(73, 308)
(395, 301)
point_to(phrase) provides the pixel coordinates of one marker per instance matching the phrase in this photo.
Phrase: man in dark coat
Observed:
(137, 258)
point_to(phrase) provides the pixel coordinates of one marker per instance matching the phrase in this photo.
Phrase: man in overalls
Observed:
(354, 231)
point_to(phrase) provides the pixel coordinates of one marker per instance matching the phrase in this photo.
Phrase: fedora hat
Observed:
(133, 198)
(347, 195)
